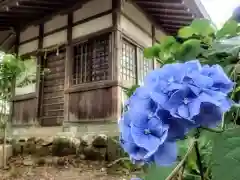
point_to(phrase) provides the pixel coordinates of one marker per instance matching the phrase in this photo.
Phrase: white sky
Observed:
(220, 10)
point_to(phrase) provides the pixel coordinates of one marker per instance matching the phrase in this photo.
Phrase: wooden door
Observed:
(52, 97)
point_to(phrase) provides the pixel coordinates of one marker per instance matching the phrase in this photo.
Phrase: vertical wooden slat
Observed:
(68, 65)
(16, 50)
(116, 51)
(39, 69)
(116, 18)
(138, 65)
(153, 42)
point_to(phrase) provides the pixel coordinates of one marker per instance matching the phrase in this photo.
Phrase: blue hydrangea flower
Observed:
(148, 132)
(221, 81)
(174, 99)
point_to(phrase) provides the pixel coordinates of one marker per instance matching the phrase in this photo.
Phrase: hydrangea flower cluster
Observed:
(173, 100)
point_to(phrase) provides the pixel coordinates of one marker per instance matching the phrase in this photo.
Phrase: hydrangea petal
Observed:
(166, 154)
(210, 115)
(194, 107)
(146, 141)
(158, 129)
(159, 98)
(183, 111)
(175, 100)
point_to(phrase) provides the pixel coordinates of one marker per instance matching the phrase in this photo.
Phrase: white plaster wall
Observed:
(56, 38)
(28, 47)
(92, 26)
(135, 33)
(92, 8)
(55, 23)
(30, 32)
(160, 34)
(26, 89)
(137, 16)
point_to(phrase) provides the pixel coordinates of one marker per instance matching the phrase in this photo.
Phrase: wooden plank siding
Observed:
(52, 104)
(95, 105)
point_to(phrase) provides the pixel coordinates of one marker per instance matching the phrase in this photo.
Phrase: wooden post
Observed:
(116, 53)
(68, 66)
(38, 75)
(16, 50)
(116, 17)
(153, 42)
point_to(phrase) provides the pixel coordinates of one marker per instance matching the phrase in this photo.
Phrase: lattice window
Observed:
(128, 62)
(91, 60)
(145, 65)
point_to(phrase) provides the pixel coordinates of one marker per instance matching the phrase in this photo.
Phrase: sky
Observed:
(220, 10)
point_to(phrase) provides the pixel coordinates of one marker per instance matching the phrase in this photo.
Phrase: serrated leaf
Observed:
(226, 155)
(228, 29)
(190, 49)
(153, 51)
(186, 32)
(158, 173)
(202, 27)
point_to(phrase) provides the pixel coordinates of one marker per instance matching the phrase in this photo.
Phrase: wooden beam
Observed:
(149, 17)
(16, 50)
(38, 76)
(160, 4)
(116, 52)
(169, 11)
(68, 65)
(153, 42)
(191, 4)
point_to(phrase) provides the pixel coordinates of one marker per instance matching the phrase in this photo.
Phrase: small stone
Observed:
(100, 141)
(114, 150)
(87, 139)
(82, 157)
(28, 162)
(92, 153)
(41, 161)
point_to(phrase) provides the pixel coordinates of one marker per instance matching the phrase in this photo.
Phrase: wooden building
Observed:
(92, 49)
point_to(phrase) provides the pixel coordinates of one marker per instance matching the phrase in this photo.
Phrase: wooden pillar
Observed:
(116, 18)
(16, 51)
(38, 76)
(153, 42)
(116, 54)
(68, 66)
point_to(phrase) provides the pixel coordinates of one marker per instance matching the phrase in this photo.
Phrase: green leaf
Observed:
(228, 29)
(202, 27)
(186, 32)
(129, 91)
(226, 155)
(158, 173)
(190, 49)
(153, 51)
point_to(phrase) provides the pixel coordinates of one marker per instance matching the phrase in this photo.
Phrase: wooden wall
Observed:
(96, 101)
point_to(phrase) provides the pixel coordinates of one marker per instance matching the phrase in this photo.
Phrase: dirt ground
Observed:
(85, 170)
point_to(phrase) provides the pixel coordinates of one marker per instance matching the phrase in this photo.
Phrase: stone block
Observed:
(9, 153)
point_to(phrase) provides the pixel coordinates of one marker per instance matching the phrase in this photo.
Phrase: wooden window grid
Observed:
(128, 64)
(134, 66)
(91, 60)
(145, 65)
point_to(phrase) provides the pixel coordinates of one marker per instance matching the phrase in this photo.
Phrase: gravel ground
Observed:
(20, 169)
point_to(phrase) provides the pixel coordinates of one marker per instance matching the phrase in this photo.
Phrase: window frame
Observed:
(92, 39)
(137, 47)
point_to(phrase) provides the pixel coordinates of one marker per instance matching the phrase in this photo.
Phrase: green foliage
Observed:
(160, 172)
(10, 68)
(200, 40)
(226, 155)
(130, 91)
